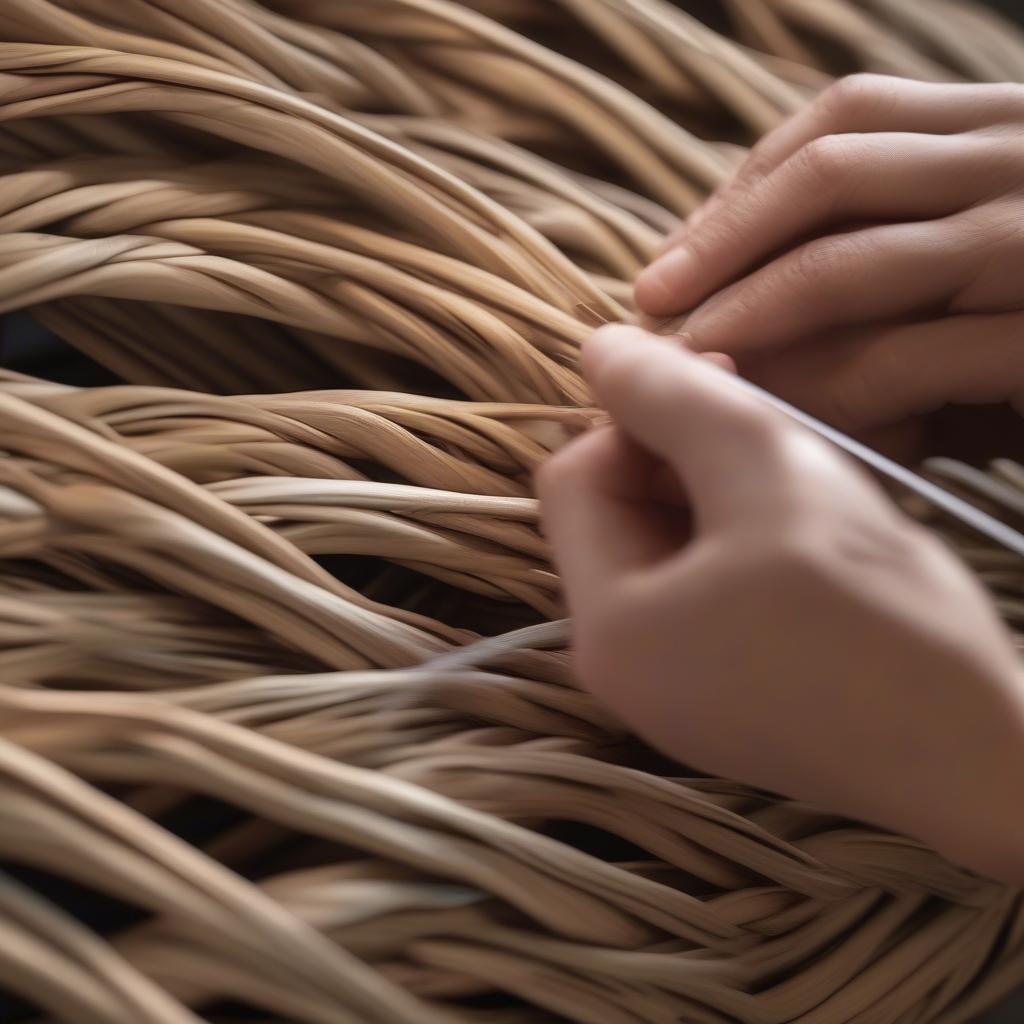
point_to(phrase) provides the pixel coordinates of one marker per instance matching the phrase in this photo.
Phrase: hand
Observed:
(866, 260)
(808, 638)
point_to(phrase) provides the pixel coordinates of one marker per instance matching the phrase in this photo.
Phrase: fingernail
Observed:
(660, 289)
(721, 360)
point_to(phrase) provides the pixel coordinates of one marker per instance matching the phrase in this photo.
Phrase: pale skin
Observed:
(747, 599)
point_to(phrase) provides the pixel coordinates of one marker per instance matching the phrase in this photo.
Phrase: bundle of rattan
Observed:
(236, 785)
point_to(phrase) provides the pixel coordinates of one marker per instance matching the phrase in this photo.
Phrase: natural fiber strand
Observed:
(341, 256)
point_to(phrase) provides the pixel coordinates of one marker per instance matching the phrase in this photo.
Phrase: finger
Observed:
(600, 512)
(834, 180)
(877, 377)
(879, 103)
(860, 104)
(719, 359)
(737, 459)
(880, 273)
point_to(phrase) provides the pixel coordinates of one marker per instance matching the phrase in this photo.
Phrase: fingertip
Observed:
(621, 345)
(606, 341)
(662, 288)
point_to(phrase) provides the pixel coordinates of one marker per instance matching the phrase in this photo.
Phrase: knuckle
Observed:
(988, 227)
(880, 543)
(755, 430)
(988, 242)
(821, 261)
(1006, 102)
(827, 160)
(776, 555)
(753, 426)
(859, 96)
(1001, 228)
(821, 547)
(802, 551)
(759, 161)
(724, 228)
(1000, 154)
(802, 555)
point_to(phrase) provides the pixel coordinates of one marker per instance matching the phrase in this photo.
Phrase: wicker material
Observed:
(217, 580)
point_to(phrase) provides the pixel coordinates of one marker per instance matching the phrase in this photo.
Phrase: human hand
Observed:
(793, 630)
(865, 261)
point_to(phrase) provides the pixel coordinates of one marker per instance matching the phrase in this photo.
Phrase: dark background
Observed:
(1011, 8)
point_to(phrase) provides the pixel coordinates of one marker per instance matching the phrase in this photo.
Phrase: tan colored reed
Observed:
(342, 254)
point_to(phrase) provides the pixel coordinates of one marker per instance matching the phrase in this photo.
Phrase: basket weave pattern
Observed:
(342, 254)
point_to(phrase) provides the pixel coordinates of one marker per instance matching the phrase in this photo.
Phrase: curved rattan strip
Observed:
(263, 198)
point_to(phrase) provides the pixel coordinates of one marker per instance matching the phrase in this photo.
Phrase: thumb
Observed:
(731, 452)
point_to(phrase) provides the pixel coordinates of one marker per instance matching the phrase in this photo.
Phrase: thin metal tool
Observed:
(556, 634)
(955, 506)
